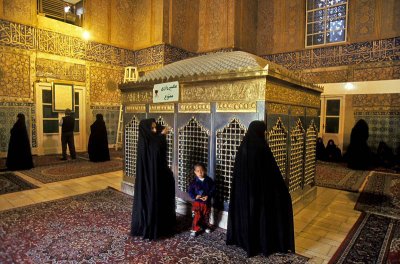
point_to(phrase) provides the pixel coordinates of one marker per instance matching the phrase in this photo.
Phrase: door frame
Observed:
(337, 137)
(82, 146)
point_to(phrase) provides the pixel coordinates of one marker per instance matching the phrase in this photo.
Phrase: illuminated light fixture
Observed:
(86, 35)
(349, 86)
(67, 9)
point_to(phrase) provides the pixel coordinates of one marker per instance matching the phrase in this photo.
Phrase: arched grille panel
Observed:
(228, 142)
(131, 139)
(296, 156)
(277, 138)
(311, 142)
(193, 145)
(170, 140)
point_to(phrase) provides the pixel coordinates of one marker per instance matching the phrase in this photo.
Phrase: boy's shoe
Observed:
(208, 230)
(193, 233)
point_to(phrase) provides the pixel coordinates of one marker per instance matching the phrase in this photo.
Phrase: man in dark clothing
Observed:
(67, 135)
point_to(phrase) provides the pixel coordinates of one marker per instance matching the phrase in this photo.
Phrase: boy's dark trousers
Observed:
(201, 216)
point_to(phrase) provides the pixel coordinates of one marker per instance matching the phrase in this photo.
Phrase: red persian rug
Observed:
(373, 239)
(94, 228)
(381, 195)
(338, 176)
(72, 169)
(9, 182)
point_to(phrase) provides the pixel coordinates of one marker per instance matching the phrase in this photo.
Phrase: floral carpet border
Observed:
(372, 239)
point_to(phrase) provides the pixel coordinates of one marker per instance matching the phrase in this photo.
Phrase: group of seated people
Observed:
(359, 155)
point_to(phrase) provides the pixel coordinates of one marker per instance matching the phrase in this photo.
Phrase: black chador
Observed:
(98, 142)
(260, 216)
(19, 156)
(359, 155)
(153, 214)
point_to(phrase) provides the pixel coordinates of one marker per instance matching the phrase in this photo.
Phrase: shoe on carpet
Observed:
(63, 158)
(193, 233)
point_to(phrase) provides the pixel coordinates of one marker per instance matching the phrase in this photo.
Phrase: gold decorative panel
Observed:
(170, 140)
(277, 141)
(140, 108)
(240, 90)
(60, 70)
(288, 95)
(104, 84)
(15, 75)
(296, 157)
(310, 157)
(193, 144)
(194, 108)
(237, 107)
(228, 140)
(279, 109)
(121, 24)
(297, 111)
(312, 112)
(137, 97)
(131, 138)
(97, 19)
(161, 108)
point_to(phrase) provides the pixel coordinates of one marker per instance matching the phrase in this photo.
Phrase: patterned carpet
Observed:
(381, 195)
(338, 176)
(72, 169)
(9, 182)
(94, 228)
(373, 239)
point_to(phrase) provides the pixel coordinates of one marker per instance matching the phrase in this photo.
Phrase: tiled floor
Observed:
(319, 228)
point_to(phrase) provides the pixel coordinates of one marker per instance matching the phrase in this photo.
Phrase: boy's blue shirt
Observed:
(203, 188)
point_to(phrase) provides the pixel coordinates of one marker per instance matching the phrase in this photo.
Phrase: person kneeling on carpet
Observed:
(201, 190)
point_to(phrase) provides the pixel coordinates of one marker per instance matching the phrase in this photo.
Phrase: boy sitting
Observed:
(201, 191)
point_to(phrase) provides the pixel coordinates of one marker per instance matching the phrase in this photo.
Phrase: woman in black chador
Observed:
(153, 214)
(358, 154)
(332, 152)
(320, 149)
(98, 142)
(19, 155)
(260, 216)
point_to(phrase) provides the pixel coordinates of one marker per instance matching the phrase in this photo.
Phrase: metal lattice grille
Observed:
(131, 139)
(277, 142)
(296, 157)
(228, 142)
(311, 142)
(192, 148)
(170, 140)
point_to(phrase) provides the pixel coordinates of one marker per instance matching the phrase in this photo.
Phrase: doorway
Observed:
(48, 129)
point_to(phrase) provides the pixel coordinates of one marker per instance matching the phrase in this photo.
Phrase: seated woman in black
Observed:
(358, 154)
(19, 156)
(333, 153)
(98, 142)
(385, 155)
(260, 216)
(320, 149)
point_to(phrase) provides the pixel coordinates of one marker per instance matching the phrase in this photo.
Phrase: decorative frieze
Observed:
(194, 108)
(139, 108)
(240, 90)
(296, 111)
(287, 95)
(60, 70)
(311, 112)
(237, 107)
(278, 109)
(137, 97)
(161, 108)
